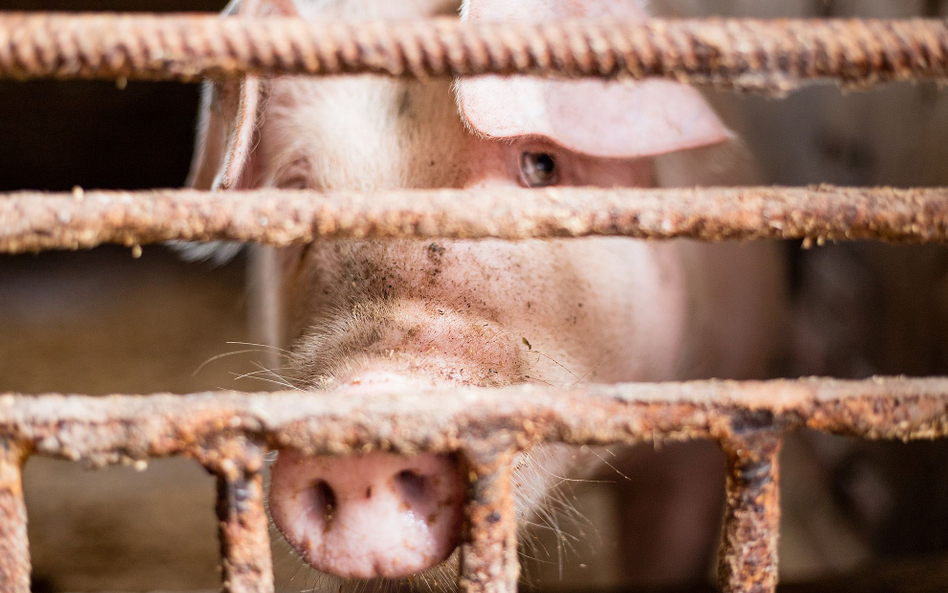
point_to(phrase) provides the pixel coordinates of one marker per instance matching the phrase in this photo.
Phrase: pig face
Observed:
(374, 315)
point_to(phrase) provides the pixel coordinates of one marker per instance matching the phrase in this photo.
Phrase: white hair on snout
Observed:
(545, 500)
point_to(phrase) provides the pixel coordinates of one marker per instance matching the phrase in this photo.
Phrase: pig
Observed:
(372, 315)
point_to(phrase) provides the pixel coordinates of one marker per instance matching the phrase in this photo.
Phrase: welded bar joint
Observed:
(14, 546)
(33, 221)
(104, 430)
(228, 433)
(246, 560)
(489, 562)
(748, 54)
(747, 560)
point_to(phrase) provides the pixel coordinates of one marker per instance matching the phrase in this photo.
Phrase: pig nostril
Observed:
(412, 486)
(324, 501)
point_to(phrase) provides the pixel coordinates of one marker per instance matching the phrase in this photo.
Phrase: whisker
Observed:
(281, 383)
(556, 362)
(264, 346)
(568, 480)
(280, 380)
(257, 373)
(614, 468)
(224, 355)
(581, 378)
(541, 381)
(534, 558)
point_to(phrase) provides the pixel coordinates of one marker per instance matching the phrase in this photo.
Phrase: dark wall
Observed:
(56, 135)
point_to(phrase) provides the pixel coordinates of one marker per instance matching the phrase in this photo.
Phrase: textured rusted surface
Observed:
(747, 561)
(14, 548)
(747, 54)
(229, 432)
(35, 221)
(489, 562)
(246, 562)
(102, 430)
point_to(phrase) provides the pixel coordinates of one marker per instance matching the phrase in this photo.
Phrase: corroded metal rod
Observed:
(489, 562)
(246, 561)
(14, 546)
(32, 221)
(747, 561)
(743, 53)
(103, 430)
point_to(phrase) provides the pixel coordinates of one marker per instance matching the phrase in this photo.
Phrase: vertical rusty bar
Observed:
(14, 545)
(246, 561)
(747, 561)
(489, 562)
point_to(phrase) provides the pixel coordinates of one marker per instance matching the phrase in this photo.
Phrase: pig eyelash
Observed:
(293, 183)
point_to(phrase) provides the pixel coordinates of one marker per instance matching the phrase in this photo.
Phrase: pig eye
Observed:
(296, 175)
(538, 169)
(295, 182)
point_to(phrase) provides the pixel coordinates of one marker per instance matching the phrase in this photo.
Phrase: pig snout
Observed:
(371, 515)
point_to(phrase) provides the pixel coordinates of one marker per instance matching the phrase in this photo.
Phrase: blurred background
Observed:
(102, 322)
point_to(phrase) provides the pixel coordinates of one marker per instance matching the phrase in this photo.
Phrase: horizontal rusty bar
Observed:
(742, 53)
(32, 221)
(102, 430)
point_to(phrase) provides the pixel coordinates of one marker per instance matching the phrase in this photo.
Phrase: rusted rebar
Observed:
(31, 221)
(14, 546)
(103, 430)
(228, 433)
(747, 560)
(246, 561)
(489, 562)
(742, 53)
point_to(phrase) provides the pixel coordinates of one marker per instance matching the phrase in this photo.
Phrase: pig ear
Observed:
(228, 115)
(227, 119)
(619, 119)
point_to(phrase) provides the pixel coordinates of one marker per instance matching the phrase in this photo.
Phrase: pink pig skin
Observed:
(375, 315)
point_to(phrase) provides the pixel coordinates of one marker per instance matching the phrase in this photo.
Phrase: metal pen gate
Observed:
(230, 432)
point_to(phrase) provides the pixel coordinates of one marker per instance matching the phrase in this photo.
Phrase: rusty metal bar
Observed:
(747, 561)
(489, 561)
(246, 561)
(773, 56)
(33, 221)
(14, 546)
(103, 430)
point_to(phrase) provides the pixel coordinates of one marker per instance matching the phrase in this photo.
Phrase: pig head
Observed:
(374, 315)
